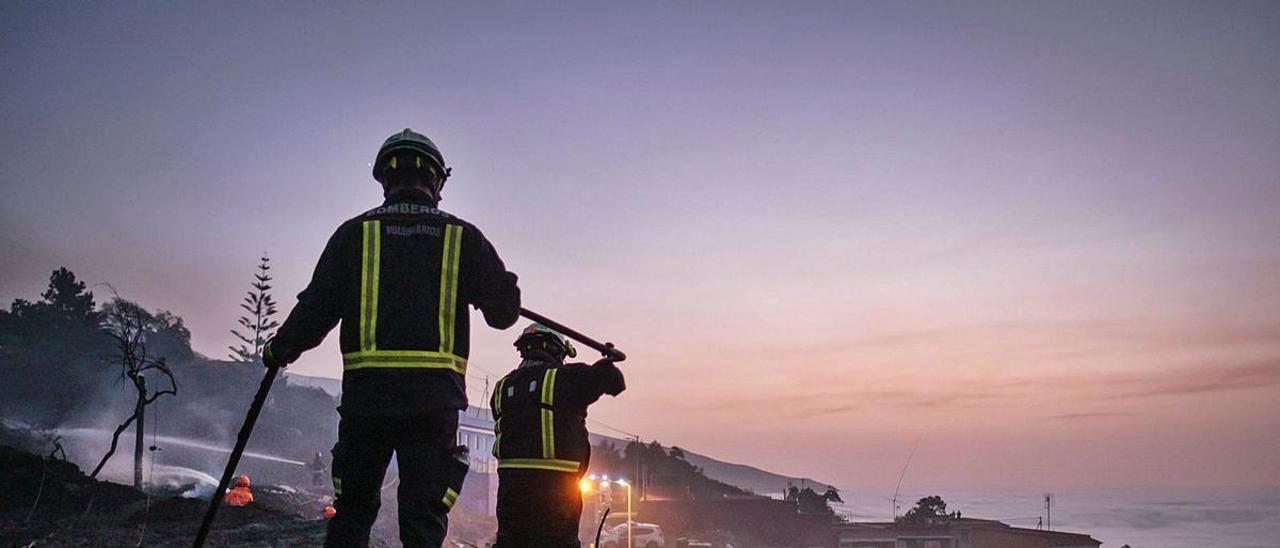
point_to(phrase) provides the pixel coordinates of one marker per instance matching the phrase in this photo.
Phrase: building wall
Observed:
(480, 491)
(971, 534)
(867, 543)
(769, 520)
(872, 540)
(1003, 539)
(1015, 537)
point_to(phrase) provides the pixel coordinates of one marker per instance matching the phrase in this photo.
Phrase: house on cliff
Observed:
(954, 533)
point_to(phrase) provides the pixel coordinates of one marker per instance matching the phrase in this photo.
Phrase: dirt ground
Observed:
(50, 503)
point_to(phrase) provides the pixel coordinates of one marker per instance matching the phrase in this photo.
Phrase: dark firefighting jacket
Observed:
(400, 277)
(541, 413)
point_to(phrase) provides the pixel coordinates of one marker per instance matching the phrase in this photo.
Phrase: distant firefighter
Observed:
(318, 469)
(240, 495)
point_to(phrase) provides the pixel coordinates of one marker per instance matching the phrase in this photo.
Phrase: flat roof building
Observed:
(955, 533)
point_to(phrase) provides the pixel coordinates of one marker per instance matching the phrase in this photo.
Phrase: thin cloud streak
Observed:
(1092, 415)
(1131, 331)
(960, 394)
(1202, 380)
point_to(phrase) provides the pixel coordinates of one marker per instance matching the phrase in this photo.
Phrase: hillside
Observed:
(749, 477)
(744, 476)
(331, 386)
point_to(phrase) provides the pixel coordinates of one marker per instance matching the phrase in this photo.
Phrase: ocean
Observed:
(1183, 517)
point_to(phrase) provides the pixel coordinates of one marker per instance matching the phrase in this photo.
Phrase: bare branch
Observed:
(115, 439)
(173, 391)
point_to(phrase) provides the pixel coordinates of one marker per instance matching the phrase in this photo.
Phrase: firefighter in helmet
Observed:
(240, 495)
(542, 446)
(400, 277)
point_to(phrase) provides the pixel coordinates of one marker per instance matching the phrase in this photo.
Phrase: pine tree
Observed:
(258, 324)
(68, 297)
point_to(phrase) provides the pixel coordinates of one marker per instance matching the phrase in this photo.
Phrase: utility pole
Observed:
(1048, 510)
(639, 478)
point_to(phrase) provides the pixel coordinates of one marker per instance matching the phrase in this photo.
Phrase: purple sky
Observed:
(1042, 239)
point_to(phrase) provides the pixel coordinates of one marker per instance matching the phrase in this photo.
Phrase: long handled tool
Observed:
(606, 348)
(241, 441)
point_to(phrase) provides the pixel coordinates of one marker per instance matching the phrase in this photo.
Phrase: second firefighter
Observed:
(542, 446)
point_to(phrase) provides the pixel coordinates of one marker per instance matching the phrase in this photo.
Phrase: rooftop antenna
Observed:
(903, 475)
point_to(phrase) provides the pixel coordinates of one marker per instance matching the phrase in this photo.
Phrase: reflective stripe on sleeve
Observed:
(497, 401)
(450, 497)
(497, 422)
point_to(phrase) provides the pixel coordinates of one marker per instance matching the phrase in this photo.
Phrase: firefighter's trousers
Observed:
(538, 509)
(429, 476)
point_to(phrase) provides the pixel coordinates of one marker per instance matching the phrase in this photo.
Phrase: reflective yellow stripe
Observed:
(549, 386)
(540, 464)
(548, 435)
(548, 415)
(377, 276)
(497, 440)
(449, 285)
(337, 485)
(497, 410)
(406, 359)
(497, 401)
(369, 274)
(450, 497)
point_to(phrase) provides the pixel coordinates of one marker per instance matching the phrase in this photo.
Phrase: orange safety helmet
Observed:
(330, 511)
(242, 480)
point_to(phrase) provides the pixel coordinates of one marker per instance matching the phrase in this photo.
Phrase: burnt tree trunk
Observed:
(140, 411)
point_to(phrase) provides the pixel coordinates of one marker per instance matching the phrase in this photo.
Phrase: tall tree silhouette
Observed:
(258, 324)
(64, 322)
(59, 334)
(67, 296)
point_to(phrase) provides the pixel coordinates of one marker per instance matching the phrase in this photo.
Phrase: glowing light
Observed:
(604, 485)
(584, 485)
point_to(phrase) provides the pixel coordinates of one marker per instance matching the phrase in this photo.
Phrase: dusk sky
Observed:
(1039, 239)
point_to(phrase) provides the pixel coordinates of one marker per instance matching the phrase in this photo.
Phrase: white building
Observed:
(475, 431)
